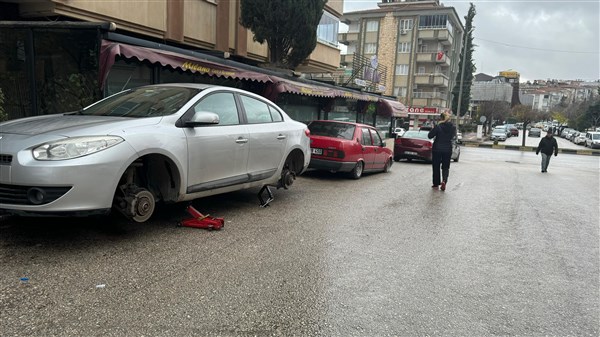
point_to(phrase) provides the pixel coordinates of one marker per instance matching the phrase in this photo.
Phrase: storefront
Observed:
(44, 71)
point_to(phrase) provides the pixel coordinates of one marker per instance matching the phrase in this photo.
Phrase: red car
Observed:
(415, 144)
(347, 147)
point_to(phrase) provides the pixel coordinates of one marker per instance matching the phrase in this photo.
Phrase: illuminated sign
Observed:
(423, 110)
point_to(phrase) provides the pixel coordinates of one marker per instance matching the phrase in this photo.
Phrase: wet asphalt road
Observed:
(505, 251)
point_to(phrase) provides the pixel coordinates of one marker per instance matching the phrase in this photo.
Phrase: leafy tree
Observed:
(288, 26)
(469, 68)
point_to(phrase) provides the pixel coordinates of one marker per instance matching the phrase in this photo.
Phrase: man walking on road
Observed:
(546, 147)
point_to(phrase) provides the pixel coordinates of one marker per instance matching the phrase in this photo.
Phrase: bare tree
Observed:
(525, 114)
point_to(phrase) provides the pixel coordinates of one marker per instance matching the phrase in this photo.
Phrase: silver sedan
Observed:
(167, 143)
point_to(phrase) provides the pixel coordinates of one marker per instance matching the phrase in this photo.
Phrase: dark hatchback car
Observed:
(347, 147)
(415, 144)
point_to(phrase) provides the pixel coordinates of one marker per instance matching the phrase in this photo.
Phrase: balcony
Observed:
(437, 57)
(324, 58)
(435, 79)
(347, 38)
(441, 35)
(347, 60)
(432, 102)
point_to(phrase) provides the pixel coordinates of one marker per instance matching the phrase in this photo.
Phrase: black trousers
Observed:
(440, 159)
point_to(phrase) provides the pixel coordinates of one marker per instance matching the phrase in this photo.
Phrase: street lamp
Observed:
(462, 77)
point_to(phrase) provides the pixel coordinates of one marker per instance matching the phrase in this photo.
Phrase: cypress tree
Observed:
(469, 68)
(288, 26)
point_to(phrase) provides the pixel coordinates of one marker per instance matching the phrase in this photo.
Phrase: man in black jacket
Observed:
(443, 133)
(546, 147)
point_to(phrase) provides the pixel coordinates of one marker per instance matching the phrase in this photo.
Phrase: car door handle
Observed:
(281, 137)
(241, 140)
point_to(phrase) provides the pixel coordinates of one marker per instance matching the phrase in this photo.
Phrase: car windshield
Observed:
(416, 134)
(497, 130)
(143, 102)
(332, 129)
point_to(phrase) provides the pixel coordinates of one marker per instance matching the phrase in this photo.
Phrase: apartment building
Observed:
(60, 55)
(417, 42)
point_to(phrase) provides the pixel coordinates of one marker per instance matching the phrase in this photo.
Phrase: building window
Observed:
(401, 69)
(372, 26)
(406, 24)
(328, 28)
(434, 21)
(404, 47)
(370, 48)
(400, 91)
(421, 70)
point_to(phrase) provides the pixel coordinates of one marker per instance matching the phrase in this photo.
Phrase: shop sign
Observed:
(423, 110)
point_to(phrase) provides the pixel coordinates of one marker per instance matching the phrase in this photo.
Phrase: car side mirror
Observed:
(203, 118)
(383, 144)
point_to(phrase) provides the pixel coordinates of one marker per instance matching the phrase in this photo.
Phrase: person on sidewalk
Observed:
(546, 147)
(443, 133)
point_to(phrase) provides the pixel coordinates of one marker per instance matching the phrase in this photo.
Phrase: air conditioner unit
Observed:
(402, 32)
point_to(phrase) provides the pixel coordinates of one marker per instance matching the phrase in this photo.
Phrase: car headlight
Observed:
(74, 147)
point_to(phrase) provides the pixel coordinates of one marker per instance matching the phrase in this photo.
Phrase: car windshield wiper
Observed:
(78, 112)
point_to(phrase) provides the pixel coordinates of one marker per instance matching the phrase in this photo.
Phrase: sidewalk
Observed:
(514, 143)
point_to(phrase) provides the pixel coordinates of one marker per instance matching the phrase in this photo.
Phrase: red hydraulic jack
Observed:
(200, 220)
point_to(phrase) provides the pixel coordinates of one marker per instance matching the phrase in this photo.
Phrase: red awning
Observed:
(391, 108)
(109, 50)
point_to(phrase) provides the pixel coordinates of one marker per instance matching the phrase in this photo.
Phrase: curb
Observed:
(530, 148)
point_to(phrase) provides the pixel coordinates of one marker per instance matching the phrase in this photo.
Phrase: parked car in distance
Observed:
(499, 133)
(534, 132)
(399, 132)
(592, 140)
(579, 139)
(514, 131)
(159, 143)
(415, 144)
(348, 147)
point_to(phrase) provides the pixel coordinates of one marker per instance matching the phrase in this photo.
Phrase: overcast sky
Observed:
(540, 39)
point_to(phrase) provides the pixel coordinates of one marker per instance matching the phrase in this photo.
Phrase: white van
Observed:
(592, 140)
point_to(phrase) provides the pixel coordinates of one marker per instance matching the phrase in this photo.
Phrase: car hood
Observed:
(71, 125)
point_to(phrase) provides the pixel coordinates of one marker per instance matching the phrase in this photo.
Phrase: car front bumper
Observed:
(85, 184)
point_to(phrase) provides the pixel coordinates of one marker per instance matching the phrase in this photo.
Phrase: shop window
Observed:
(304, 109)
(344, 110)
(15, 96)
(127, 74)
(63, 62)
(66, 69)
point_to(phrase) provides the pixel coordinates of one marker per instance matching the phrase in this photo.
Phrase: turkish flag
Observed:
(440, 55)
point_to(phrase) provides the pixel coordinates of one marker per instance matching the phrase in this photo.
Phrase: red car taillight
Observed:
(333, 153)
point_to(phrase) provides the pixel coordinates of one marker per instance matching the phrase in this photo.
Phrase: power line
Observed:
(541, 49)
